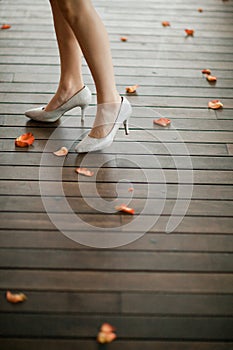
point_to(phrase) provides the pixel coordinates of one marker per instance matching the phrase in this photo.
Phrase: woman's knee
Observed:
(73, 10)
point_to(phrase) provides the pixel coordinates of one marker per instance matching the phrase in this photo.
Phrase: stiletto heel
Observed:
(126, 126)
(89, 144)
(83, 112)
(81, 99)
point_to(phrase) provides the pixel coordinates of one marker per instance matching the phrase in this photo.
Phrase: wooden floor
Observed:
(165, 290)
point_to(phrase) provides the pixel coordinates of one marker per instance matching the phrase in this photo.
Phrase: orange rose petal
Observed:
(130, 189)
(15, 298)
(206, 71)
(162, 121)
(63, 151)
(215, 104)
(84, 171)
(25, 140)
(103, 338)
(110, 337)
(106, 334)
(211, 77)
(125, 209)
(131, 89)
(200, 10)
(106, 328)
(6, 26)
(166, 24)
(189, 32)
(124, 38)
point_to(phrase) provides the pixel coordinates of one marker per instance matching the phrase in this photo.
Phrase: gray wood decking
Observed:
(163, 291)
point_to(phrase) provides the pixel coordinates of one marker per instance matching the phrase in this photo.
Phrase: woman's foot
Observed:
(81, 99)
(106, 116)
(63, 95)
(90, 144)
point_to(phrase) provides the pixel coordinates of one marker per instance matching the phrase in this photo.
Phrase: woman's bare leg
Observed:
(71, 79)
(93, 40)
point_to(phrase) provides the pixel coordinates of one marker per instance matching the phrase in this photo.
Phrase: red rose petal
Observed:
(189, 32)
(162, 121)
(25, 140)
(6, 26)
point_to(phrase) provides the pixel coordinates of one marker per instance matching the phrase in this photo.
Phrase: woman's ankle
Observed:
(62, 95)
(108, 97)
(106, 116)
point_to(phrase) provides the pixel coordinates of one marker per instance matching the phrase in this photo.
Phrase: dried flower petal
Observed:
(189, 32)
(103, 338)
(166, 24)
(106, 334)
(84, 171)
(162, 121)
(124, 38)
(215, 104)
(25, 140)
(125, 209)
(200, 10)
(63, 151)
(15, 298)
(206, 71)
(130, 189)
(131, 89)
(6, 26)
(107, 328)
(211, 78)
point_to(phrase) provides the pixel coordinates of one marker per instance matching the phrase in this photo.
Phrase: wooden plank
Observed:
(199, 328)
(176, 242)
(149, 101)
(10, 46)
(134, 62)
(62, 302)
(174, 304)
(107, 190)
(138, 119)
(29, 221)
(145, 54)
(79, 205)
(202, 90)
(115, 261)
(21, 82)
(134, 175)
(175, 113)
(122, 161)
(25, 70)
(61, 344)
(116, 281)
(204, 149)
(137, 135)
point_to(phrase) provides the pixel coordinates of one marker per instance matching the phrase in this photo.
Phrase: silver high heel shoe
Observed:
(90, 144)
(81, 99)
